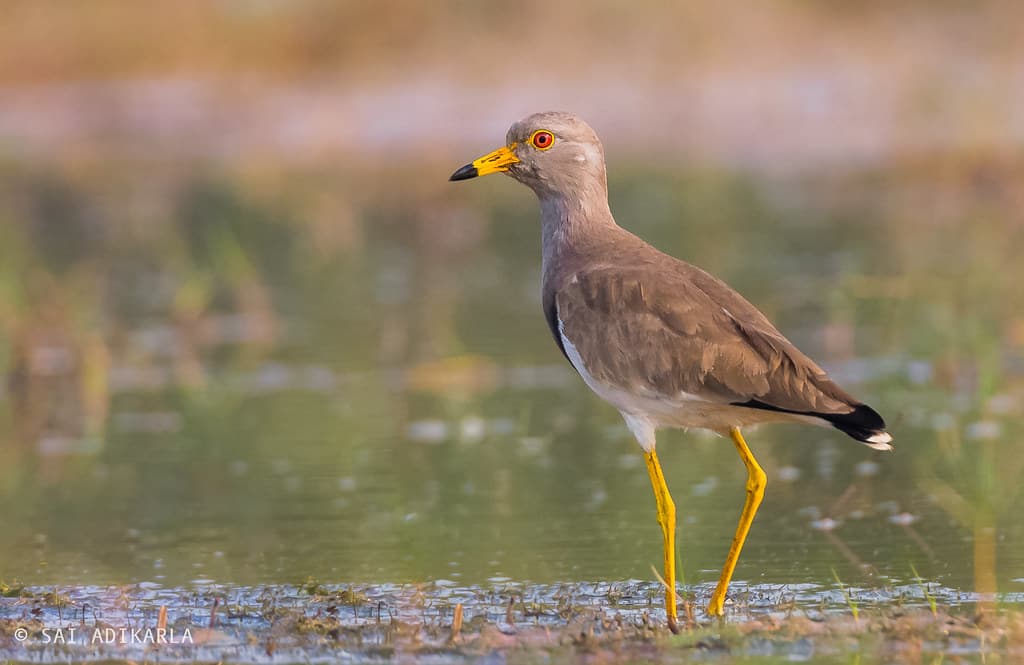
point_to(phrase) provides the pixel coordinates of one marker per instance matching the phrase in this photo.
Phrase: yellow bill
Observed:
(494, 162)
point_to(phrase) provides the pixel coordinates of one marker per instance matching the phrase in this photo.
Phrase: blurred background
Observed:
(249, 332)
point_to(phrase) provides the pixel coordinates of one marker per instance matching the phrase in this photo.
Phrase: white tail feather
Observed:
(879, 441)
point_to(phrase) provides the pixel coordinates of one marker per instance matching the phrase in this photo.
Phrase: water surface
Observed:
(247, 377)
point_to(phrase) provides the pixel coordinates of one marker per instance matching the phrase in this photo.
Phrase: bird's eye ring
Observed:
(542, 139)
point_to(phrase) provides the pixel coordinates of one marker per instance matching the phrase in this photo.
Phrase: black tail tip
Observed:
(865, 425)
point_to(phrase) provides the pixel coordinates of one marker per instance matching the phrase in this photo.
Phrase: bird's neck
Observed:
(570, 225)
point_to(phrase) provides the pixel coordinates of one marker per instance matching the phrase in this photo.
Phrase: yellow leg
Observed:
(667, 520)
(756, 481)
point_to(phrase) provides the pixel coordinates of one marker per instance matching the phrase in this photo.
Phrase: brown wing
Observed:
(645, 330)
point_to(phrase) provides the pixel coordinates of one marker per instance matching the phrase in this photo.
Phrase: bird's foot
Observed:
(716, 607)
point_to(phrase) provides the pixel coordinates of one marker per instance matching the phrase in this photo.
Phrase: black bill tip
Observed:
(465, 173)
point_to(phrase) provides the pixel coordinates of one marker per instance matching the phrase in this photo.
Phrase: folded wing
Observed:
(688, 332)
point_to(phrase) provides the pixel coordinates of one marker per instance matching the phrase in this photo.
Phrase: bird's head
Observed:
(553, 153)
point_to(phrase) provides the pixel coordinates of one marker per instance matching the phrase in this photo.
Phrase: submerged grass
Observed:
(932, 604)
(850, 602)
(510, 623)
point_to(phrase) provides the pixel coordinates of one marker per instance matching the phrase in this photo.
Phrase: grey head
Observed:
(555, 154)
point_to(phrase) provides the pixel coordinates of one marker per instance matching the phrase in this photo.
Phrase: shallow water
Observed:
(249, 379)
(505, 622)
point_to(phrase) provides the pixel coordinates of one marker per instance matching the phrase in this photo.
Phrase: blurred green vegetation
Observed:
(249, 332)
(250, 375)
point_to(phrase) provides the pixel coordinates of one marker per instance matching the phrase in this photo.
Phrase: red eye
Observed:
(542, 140)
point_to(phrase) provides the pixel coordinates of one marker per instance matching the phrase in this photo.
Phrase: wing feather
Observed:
(687, 332)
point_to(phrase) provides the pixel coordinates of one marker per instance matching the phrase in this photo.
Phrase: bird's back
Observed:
(646, 324)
